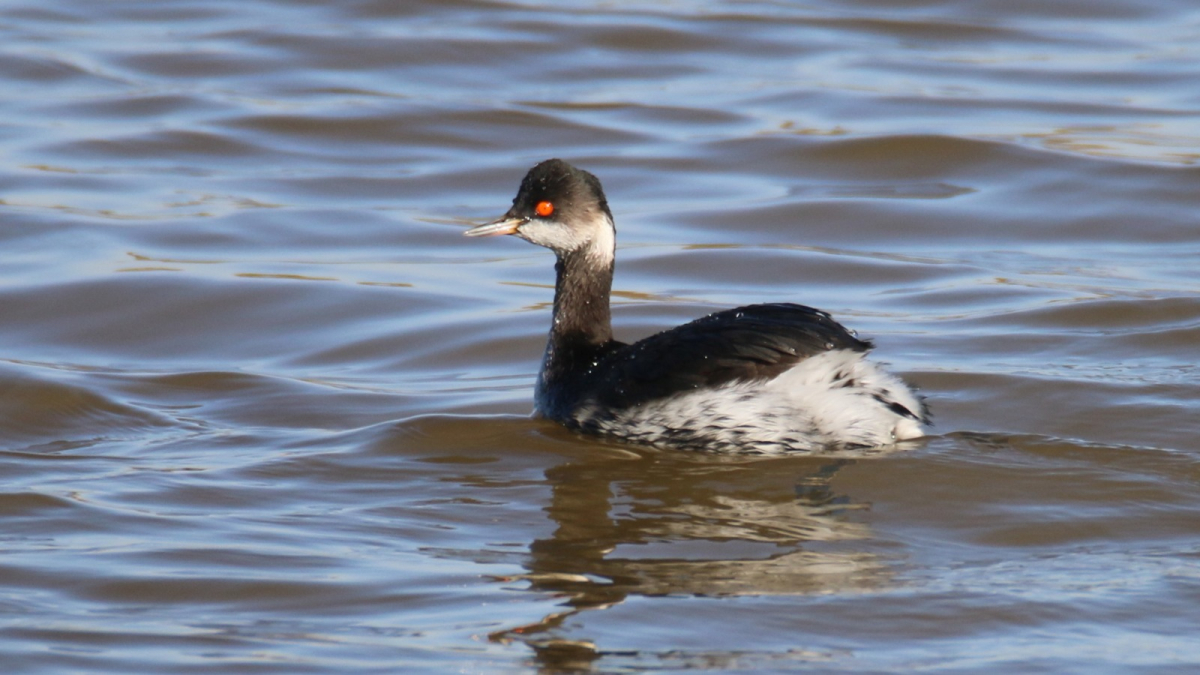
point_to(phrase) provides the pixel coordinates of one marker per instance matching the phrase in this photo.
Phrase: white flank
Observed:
(831, 399)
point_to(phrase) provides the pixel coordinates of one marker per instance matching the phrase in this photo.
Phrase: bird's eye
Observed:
(544, 209)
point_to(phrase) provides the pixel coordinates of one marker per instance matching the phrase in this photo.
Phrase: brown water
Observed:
(263, 409)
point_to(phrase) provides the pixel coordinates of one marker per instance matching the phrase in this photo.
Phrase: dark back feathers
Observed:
(755, 342)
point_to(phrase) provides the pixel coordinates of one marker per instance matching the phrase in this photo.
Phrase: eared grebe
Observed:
(762, 378)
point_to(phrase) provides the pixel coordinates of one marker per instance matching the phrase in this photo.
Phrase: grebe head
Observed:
(559, 207)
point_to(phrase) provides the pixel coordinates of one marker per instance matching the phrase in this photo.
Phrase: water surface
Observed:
(263, 409)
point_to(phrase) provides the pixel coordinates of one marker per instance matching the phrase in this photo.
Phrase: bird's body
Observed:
(770, 378)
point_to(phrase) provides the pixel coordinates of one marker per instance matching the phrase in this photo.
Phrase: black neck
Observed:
(581, 289)
(581, 332)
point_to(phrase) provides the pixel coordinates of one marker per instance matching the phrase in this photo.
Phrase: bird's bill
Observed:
(502, 226)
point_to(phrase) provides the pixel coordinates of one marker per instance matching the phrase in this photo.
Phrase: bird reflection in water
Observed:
(655, 523)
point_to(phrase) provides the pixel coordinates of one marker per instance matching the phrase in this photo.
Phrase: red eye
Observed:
(544, 209)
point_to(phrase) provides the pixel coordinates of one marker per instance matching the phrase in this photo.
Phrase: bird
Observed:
(771, 379)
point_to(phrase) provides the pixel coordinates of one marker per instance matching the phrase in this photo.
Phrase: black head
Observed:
(559, 207)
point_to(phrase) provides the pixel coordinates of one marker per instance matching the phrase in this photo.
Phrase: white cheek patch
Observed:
(595, 235)
(604, 240)
(551, 235)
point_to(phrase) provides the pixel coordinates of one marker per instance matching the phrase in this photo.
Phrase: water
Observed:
(264, 409)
